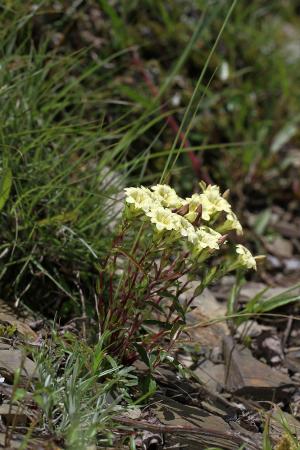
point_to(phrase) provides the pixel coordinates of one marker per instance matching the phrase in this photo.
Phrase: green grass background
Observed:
(78, 121)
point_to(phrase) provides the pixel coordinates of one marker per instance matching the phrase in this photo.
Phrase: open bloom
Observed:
(231, 223)
(163, 218)
(184, 227)
(139, 198)
(211, 203)
(206, 238)
(211, 194)
(166, 196)
(245, 257)
(194, 202)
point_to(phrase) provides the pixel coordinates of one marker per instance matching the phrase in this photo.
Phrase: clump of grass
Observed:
(59, 177)
(261, 303)
(79, 389)
(66, 157)
(55, 159)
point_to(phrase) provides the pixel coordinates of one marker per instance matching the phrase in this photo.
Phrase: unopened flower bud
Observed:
(182, 211)
(222, 239)
(199, 216)
(226, 194)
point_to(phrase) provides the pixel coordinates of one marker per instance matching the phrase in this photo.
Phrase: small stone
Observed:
(12, 360)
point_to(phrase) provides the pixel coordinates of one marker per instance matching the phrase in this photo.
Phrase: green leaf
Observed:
(132, 445)
(262, 221)
(210, 274)
(19, 394)
(59, 219)
(176, 304)
(148, 385)
(259, 304)
(177, 327)
(256, 300)
(143, 354)
(5, 186)
(157, 322)
(266, 436)
(232, 300)
(273, 303)
(156, 306)
(179, 309)
(118, 24)
(57, 283)
(129, 256)
(167, 294)
(284, 136)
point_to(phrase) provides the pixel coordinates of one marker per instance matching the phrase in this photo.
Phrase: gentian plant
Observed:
(164, 242)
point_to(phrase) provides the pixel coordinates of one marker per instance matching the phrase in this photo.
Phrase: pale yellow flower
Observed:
(139, 198)
(184, 227)
(194, 202)
(217, 202)
(231, 223)
(211, 202)
(207, 238)
(245, 258)
(163, 218)
(166, 196)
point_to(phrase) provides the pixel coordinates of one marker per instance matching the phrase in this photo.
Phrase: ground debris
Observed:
(18, 319)
(12, 415)
(246, 376)
(200, 327)
(195, 428)
(280, 247)
(16, 440)
(11, 360)
(211, 375)
(292, 359)
(280, 421)
(191, 427)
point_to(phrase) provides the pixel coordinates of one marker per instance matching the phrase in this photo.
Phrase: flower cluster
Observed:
(202, 220)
